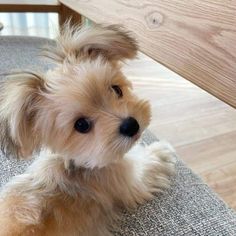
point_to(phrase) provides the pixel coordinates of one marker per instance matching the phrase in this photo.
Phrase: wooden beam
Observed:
(29, 6)
(67, 13)
(196, 39)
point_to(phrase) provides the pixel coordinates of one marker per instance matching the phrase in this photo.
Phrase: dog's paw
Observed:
(160, 166)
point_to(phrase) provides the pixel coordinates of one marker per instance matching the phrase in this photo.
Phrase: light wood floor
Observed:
(199, 126)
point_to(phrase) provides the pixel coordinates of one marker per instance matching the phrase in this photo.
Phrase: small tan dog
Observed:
(83, 118)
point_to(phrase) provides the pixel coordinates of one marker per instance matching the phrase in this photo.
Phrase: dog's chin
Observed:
(109, 155)
(129, 142)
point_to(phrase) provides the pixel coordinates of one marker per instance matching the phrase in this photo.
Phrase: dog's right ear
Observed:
(19, 103)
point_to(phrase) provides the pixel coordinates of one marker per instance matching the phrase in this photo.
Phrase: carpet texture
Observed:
(188, 208)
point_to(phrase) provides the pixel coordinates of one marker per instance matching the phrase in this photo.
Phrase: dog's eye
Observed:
(117, 90)
(83, 125)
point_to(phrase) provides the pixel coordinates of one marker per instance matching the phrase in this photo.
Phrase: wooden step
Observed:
(29, 6)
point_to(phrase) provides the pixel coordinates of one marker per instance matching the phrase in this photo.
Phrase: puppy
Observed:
(81, 119)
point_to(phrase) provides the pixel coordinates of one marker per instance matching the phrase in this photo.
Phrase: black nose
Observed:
(129, 127)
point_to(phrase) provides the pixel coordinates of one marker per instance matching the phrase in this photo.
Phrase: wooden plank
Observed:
(29, 6)
(67, 13)
(196, 39)
(222, 181)
(214, 160)
(206, 156)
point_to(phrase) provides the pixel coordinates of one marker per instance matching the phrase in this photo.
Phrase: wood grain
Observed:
(196, 39)
(67, 13)
(29, 6)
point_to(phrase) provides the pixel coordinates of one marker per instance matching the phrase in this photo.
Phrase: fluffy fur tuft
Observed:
(76, 43)
(82, 177)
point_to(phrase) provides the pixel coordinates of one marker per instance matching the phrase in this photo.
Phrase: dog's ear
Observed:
(19, 101)
(75, 43)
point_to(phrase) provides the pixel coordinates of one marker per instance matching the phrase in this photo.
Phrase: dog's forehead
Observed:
(87, 83)
(94, 78)
(96, 72)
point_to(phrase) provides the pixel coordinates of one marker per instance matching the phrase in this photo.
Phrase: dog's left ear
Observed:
(78, 43)
(19, 104)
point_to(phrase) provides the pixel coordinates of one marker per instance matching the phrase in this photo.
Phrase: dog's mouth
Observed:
(137, 136)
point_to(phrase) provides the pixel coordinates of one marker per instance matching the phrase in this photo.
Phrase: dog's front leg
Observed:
(19, 215)
(152, 167)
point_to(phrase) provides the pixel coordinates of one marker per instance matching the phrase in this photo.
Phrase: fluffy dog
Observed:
(82, 118)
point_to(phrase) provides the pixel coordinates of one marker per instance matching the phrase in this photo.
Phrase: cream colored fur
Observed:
(79, 182)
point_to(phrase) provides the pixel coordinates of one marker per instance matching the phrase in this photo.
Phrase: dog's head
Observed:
(83, 109)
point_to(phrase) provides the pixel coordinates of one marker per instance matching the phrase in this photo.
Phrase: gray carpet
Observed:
(189, 208)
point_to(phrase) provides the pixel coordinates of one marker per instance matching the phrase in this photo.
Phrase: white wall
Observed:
(33, 24)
